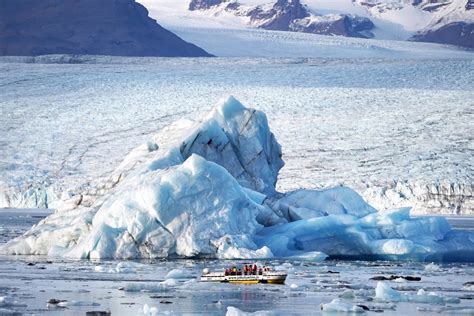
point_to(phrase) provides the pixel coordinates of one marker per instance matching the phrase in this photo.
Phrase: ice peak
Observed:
(229, 107)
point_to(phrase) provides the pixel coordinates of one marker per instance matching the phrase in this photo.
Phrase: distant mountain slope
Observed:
(457, 33)
(441, 21)
(105, 27)
(290, 15)
(438, 21)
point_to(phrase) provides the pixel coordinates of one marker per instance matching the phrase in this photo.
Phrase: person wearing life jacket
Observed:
(255, 269)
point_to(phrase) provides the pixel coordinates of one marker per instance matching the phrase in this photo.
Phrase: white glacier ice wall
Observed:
(206, 188)
(437, 197)
(335, 129)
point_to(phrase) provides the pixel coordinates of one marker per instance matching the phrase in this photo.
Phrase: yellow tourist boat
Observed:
(247, 275)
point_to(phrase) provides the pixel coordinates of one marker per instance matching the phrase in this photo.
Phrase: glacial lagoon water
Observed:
(173, 287)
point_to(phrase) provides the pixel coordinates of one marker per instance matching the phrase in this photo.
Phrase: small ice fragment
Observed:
(432, 267)
(339, 306)
(234, 311)
(384, 293)
(347, 294)
(150, 311)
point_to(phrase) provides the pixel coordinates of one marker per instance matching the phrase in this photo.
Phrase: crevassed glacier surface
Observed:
(206, 188)
(394, 130)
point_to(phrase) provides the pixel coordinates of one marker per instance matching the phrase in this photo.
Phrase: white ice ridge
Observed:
(206, 188)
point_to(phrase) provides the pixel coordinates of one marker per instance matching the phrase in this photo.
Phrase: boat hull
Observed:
(278, 278)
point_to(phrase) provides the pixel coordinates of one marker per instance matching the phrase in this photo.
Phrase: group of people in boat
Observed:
(247, 270)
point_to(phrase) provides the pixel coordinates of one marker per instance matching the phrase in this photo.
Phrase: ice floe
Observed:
(164, 286)
(384, 293)
(206, 188)
(150, 310)
(234, 311)
(339, 306)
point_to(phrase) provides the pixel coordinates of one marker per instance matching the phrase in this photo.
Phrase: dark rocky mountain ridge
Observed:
(292, 15)
(105, 27)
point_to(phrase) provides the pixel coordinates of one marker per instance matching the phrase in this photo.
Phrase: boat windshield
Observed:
(247, 269)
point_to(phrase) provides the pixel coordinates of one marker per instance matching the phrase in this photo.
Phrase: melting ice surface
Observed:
(206, 188)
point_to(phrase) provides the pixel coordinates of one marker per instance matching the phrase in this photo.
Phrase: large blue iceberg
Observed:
(206, 189)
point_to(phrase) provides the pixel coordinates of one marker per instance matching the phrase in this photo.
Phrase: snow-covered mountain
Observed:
(441, 21)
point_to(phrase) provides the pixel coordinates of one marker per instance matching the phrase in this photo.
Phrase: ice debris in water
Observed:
(179, 274)
(207, 189)
(339, 306)
(432, 267)
(77, 303)
(384, 293)
(150, 310)
(164, 286)
(234, 311)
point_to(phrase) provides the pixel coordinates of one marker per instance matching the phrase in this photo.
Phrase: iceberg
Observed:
(207, 189)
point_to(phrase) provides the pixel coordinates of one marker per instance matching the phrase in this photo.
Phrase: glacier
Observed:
(396, 165)
(206, 188)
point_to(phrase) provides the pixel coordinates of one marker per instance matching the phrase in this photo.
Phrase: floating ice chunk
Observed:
(234, 311)
(432, 267)
(150, 310)
(6, 311)
(347, 294)
(170, 282)
(448, 309)
(165, 286)
(382, 306)
(127, 267)
(388, 235)
(339, 306)
(6, 301)
(384, 293)
(468, 286)
(77, 303)
(432, 298)
(179, 274)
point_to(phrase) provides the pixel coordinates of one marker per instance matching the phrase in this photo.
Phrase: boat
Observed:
(248, 275)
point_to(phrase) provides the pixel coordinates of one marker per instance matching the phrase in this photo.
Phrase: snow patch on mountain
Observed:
(393, 20)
